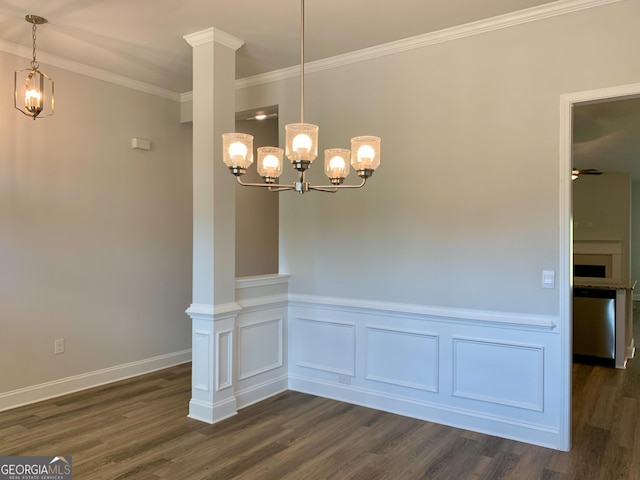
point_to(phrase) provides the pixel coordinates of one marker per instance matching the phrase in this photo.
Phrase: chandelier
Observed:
(301, 149)
(34, 93)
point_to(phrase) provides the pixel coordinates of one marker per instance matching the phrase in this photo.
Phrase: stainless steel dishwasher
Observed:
(594, 324)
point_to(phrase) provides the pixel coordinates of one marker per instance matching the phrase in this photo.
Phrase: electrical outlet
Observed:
(58, 346)
(344, 379)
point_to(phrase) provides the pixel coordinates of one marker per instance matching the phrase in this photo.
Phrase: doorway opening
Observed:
(566, 233)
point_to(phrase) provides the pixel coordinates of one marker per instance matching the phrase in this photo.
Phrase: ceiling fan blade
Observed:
(586, 171)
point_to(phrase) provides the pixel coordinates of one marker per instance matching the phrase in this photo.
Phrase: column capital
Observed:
(213, 35)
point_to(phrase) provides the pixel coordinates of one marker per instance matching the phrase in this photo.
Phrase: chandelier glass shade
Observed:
(33, 89)
(301, 149)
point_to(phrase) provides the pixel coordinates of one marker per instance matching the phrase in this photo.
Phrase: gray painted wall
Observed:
(464, 210)
(95, 238)
(257, 209)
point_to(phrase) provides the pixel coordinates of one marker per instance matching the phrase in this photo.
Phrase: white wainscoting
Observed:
(326, 345)
(224, 349)
(261, 355)
(503, 373)
(247, 362)
(402, 348)
(202, 346)
(491, 372)
(260, 347)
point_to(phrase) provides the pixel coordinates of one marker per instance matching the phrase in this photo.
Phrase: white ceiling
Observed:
(142, 39)
(606, 136)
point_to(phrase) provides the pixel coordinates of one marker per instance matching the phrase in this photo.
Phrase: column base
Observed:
(210, 413)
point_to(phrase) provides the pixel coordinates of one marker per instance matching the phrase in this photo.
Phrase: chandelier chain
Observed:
(34, 63)
(302, 62)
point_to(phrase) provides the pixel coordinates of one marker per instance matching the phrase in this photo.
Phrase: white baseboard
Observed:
(212, 413)
(64, 386)
(442, 414)
(257, 393)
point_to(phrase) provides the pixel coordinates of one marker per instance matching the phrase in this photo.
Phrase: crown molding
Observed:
(533, 14)
(186, 97)
(92, 72)
(560, 7)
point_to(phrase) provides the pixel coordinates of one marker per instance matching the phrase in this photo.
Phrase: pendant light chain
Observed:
(34, 64)
(302, 62)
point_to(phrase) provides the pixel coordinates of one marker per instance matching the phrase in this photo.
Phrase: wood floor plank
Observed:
(138, 429)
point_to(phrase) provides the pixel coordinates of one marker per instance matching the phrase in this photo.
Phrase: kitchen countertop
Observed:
(606, 286)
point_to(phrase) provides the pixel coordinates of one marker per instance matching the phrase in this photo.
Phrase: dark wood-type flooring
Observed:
(138, 429)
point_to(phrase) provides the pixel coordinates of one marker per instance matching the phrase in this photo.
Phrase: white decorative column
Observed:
(213, 309)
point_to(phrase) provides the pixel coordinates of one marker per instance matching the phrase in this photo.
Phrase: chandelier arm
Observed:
(301, 187)
(25, 113)
(273, 187)
(326, 189)
(334, 188)
(281, 188)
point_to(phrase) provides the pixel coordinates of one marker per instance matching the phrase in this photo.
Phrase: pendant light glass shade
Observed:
(237, 151)
(270, 163)
(365, 153)
(301, 142)
(336, 164)
(33, 93)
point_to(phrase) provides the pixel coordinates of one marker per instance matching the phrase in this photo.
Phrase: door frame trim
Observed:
(567, 101)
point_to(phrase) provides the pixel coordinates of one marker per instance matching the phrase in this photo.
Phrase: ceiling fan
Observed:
(575, 173)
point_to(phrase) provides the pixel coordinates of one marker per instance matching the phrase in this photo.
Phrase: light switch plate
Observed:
(548, 279)
(141, 143)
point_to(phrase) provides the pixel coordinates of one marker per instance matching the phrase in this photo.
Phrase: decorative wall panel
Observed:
(405, 358)
(224, 348)
(326, 345)
(503, 373)
(259, 347)
(201, 368)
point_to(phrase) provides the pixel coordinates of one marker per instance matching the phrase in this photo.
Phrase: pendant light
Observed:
(33, 92)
